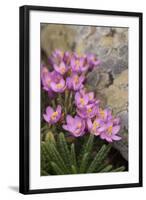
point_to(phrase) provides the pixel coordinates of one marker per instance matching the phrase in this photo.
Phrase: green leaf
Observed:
(56, 157)
(100, 156)
(101, 167)
(64, 151)
(57, 169)
(119, 169)
(50, 137)
(107, 168)
(84, 162)
(44, 173)
(73, 169)
(87, 146)
(73, 155)
(45, 164)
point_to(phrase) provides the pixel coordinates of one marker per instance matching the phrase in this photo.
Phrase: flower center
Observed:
(76, 79)
(90, 96)
(77, 63)
(62, 68)
(95, 124)
(89, 110)
(54, 115)
(48, 81)
(79, 125)
(59, 85)
(110, 128)
(102, 113)
(82, 101)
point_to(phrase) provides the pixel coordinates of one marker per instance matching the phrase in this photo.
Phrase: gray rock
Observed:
(103, 30)
(122, 146)
(124, 120)
(123, 50)
(93, 79)
(119, 66)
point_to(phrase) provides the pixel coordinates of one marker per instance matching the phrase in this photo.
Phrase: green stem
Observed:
(60, 99)
(53, 103)
(66, 101)
(70, 101)
(43, 128)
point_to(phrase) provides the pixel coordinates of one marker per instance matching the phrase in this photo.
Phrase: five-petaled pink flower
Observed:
(60, 68)
(75, 82)
(76, 125)
(52, 116)
(96, 126)
(58, 83)
(110, 132)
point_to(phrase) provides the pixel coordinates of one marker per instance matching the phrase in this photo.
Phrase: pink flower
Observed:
(56, 57)
(83, 99)
(57, 83)
(76, 125)
(46, 78)
(95, 126)
(93, 61)
(110, 132)
(105, 114)
(67, 58)
(77, 63)
(60, 68)
(52, 116)
(89, 111)
(75, 82)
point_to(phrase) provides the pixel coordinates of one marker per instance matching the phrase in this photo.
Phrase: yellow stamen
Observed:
(62, 69)
(89, 110)
(102, 113)
(79, 125)
(110, 128)
(54, 115)
(82, 101)
(95, 124)
(59, 85)
(48, 82)
(76, 79)
(77, 63)
(90, 96)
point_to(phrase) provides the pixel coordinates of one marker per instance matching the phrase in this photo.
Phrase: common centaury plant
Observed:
(71, 110)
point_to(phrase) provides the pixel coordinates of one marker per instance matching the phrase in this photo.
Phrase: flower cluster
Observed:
(77, 110)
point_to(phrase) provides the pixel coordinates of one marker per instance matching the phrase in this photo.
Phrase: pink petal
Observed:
(108, 139)
(69, 119)
(89, 124)
(97, 133)
(102, 136)
(45, 117)
(101, 129)
(77, 96)
(58, 109)
(116, 121)
(49, 110)
(115, 137)
(65, 127)
(116, 129)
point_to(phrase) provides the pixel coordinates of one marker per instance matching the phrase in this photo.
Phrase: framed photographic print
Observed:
(80, 99)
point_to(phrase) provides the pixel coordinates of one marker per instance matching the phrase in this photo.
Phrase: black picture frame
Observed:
(24, 98)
